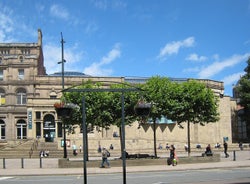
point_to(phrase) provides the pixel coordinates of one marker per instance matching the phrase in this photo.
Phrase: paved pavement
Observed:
(13, 167)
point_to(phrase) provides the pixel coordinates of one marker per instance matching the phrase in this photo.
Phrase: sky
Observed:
(208, 39)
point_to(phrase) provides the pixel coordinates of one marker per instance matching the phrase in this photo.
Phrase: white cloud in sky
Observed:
(59, 12)
(196, 57)
(53, 55)
(97, 68)
(232, 79)
(175, 46)
(217, 67)
(6, 24)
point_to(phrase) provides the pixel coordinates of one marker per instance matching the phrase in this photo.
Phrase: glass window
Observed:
(2, 97)
(20, 74)
(21, 129)
(21, 96)
(1, 74)
(38, 115)
(21, 59)
(2, 129)
(38, 129)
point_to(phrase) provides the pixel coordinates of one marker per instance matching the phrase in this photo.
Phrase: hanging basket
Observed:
(63, 111)
(143, 109)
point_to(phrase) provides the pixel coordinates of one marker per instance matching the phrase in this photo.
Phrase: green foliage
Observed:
(243, 89)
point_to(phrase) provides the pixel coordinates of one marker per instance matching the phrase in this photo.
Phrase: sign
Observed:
(29, 114)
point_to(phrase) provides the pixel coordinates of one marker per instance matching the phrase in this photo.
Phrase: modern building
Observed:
(27, 95)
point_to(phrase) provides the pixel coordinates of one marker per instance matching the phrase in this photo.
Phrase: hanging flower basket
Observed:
(142, 108)
(63, 111)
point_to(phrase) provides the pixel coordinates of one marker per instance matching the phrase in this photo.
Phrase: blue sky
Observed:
(207, 39)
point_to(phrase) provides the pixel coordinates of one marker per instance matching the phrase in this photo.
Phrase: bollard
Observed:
(4, 166)
(22, 165)
(234, 155)
(41, 162)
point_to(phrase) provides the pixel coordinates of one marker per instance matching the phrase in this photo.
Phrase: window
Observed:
(2, 130)
(38, 129)
(2, 97)
(1, 75)
(38, 115)
(21, 129)
(20, 74)
(21, 96)
(21, 59)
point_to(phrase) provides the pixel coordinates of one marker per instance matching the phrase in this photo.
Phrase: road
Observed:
(215, 176)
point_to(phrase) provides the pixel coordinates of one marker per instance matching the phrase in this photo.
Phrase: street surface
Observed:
(209, 176)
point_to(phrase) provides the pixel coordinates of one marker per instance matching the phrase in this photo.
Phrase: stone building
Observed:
(27, 95)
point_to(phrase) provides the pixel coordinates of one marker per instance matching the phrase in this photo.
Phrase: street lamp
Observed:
(64, 126)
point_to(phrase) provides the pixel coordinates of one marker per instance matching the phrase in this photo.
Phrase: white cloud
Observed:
(196, 57)
(217, 67)
(6, 24)
(96, 69)
(53, 55)
(59, 12)
(232, 79)
(174, 47)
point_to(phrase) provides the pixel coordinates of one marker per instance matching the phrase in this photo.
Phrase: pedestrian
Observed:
(105, 155)
(99, 149)
(208, 151)
(111, 147)
(80, 148)
(241, 146)
(74, 150)
(225, 149)
(173, 157)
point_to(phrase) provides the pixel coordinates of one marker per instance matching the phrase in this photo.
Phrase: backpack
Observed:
(108, 154)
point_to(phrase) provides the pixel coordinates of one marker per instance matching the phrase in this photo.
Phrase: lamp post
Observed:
(64, 127)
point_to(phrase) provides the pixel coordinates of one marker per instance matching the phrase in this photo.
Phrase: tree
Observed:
(193, 102)
(190, 102)
(158, 92)
(243, 90)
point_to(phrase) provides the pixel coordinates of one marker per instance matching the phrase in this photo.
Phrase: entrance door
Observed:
(49, 128)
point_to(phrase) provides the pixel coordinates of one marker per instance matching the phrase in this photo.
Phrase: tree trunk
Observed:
(188, 135)
(154, 129)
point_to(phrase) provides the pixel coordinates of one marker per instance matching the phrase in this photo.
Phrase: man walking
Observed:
(105, 155)
(225, 149)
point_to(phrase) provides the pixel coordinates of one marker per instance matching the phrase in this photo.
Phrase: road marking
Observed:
(5, 178)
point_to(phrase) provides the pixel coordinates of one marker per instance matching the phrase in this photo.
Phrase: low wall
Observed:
(66, 163)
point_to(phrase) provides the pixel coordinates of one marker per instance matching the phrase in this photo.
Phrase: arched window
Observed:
(21, 96)
(21, 59)
(2, 96)
(21, 128)
(2, 130)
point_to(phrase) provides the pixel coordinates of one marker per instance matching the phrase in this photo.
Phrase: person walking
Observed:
(105, 155)
(225, 149)
(173, 157)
